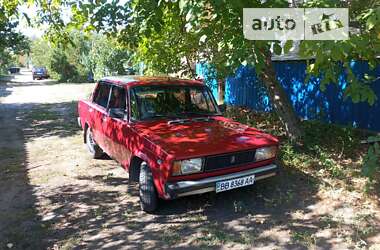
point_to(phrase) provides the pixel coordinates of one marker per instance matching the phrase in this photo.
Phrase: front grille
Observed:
(228, 160)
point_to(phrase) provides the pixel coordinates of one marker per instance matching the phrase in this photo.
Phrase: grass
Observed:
(328, 150)
(171, 235)
(305, 238)
(214, 234)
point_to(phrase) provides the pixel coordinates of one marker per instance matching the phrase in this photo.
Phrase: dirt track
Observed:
(52, 195)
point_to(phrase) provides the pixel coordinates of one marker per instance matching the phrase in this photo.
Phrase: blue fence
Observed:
(201, 71)
(244, 89)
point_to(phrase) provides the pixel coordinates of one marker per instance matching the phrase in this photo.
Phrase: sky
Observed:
(37, 32)
(31, 32)
(31, 12)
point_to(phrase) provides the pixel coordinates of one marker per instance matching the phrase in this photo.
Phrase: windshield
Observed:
(162, 101)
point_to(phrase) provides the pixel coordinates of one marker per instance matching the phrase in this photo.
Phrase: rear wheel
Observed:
(94, 149)
(148, 194)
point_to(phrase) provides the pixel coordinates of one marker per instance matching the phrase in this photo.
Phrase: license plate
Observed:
(234, 183)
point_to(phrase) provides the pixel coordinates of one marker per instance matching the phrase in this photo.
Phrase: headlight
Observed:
(265, 153)
(190, 166)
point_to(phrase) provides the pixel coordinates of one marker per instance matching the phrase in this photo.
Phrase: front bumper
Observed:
(185, 188)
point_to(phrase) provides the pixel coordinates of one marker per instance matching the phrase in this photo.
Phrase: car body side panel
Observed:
(116, 136)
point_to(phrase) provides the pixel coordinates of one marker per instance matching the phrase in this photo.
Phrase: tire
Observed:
(148, 194)
(94, 149)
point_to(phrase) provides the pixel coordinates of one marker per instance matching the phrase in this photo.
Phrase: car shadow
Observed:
(254, 210)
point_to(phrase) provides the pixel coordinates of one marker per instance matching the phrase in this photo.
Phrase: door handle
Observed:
(104, 118)
(90, 110)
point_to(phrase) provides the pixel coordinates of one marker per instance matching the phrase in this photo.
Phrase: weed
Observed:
(305, 238)
(171, 235)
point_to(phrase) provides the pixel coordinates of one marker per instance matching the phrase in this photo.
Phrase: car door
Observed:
(116, 127)
(99, 112)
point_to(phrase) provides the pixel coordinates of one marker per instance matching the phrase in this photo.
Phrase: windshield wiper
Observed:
(203, 119)
(179, 121)
(159, 117)
(197, 113)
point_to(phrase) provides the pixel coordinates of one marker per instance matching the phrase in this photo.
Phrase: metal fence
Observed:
(245, 89)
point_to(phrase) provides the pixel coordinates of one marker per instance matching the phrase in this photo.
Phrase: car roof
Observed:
(149, 80)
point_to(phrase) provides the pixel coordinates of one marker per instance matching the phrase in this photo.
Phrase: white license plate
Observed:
(234, 183)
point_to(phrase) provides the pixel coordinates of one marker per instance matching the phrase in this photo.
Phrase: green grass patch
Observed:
(327, 149)
(304, 238)
(215, 234)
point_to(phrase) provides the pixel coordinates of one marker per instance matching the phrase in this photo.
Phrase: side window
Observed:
(102, 94)
(200, 100)
(118, 98)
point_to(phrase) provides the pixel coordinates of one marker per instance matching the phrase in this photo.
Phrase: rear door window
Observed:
(118, 98)
(102, 94)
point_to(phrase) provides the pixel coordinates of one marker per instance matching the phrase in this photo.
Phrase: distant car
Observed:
(172, 138)
(40, 73)
(14, 70)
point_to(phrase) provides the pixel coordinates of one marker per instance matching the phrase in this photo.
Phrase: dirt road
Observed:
(52, 195)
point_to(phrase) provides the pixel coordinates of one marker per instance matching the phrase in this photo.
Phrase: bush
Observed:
(61, 68)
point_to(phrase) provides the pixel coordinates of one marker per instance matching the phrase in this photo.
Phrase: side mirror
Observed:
(222, 107)
(116, 113)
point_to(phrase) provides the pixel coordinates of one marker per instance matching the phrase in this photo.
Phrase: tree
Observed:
(163, 32)
(107, 56)
(11, 42)
(92, 54)
(170, 31)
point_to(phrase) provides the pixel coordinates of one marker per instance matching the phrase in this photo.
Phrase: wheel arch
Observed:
(134, 168)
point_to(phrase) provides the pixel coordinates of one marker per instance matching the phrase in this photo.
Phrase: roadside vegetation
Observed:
(86, 58)
(12, 43)
(335, 154)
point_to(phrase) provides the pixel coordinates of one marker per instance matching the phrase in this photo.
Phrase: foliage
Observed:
(106, 56)
(334, 57)
(61, 63)
(170, 35)
(371, 164)
(11, 42)
(62, 68)
(86, 55)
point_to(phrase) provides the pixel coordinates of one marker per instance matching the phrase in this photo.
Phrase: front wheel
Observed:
(148, 194)
(94, 149)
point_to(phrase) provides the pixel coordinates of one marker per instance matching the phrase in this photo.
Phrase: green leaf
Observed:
(371, 22)
(288, 45)
(277, 49)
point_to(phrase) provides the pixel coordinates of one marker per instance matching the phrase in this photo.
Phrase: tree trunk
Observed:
(281, 101)
(221, 90)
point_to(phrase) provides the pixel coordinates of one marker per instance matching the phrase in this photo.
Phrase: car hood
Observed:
(200, 138)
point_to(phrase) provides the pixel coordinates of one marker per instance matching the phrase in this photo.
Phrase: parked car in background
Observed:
(14, 70)
(40, 73)
(171, 137)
